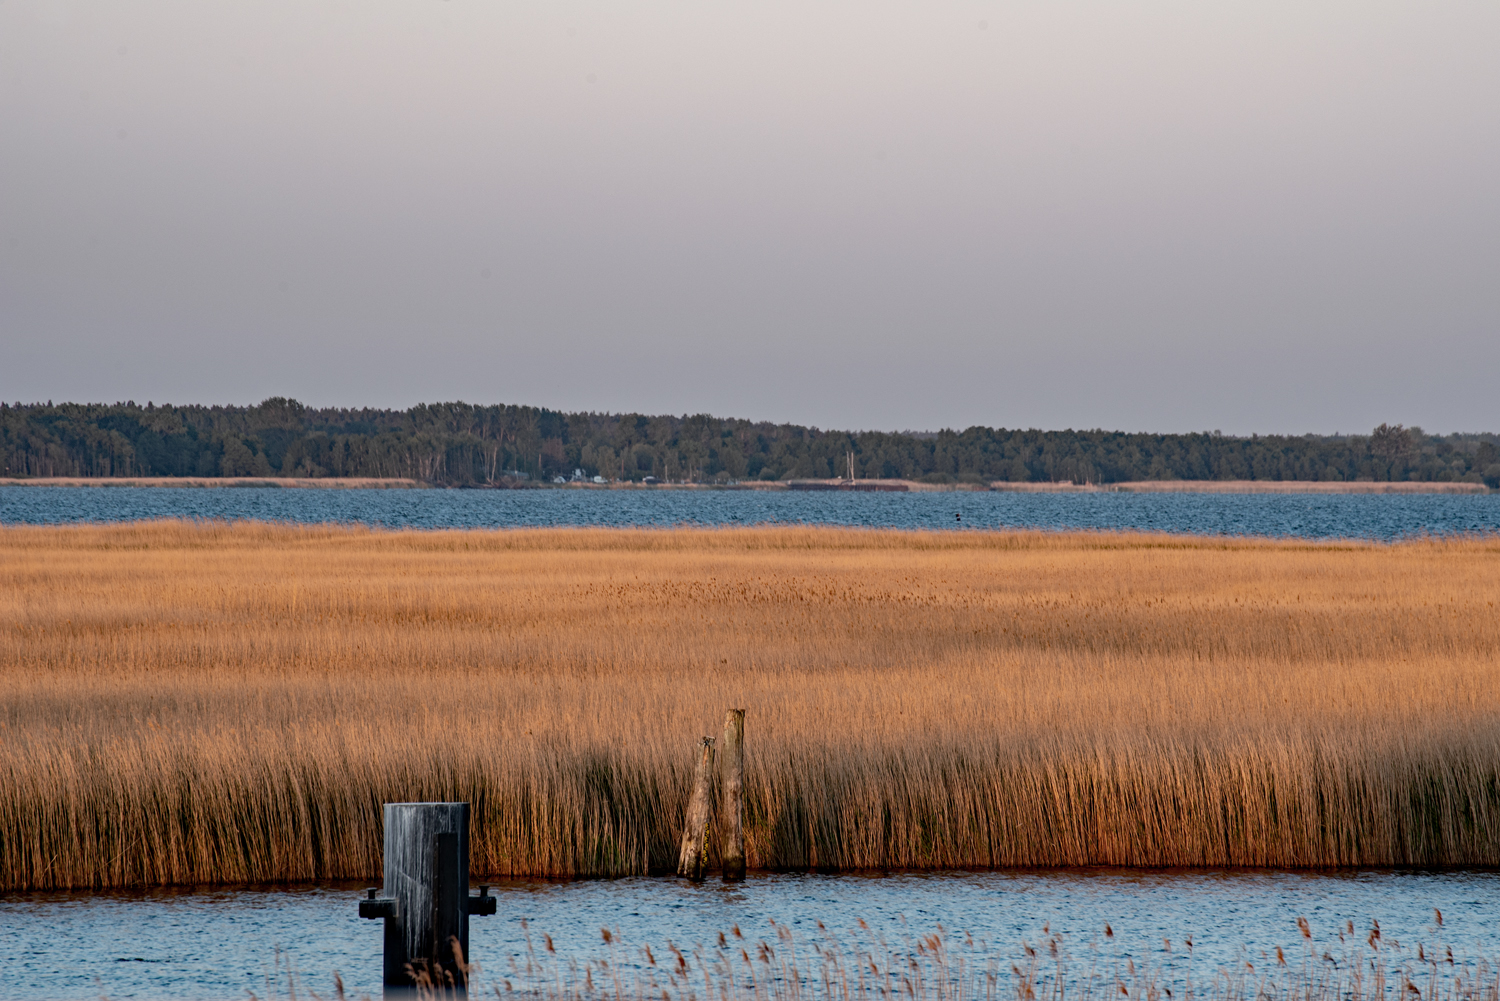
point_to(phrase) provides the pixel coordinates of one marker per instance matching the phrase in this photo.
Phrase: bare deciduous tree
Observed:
(1391, 440)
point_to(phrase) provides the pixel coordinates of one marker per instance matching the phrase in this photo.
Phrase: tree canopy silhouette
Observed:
(461, 444)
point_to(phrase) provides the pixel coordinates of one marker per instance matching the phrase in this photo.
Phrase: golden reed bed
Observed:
(190, 703)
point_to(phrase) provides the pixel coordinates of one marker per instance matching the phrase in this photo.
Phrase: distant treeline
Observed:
(459, 444)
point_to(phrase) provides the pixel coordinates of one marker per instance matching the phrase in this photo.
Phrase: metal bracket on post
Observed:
(376, 907)
(426, 904)
(483, 904)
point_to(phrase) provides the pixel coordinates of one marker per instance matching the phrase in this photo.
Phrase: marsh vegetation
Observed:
(196, 703)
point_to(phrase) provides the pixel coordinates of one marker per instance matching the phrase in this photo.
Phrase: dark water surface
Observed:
(1316, 516)
(223, 943)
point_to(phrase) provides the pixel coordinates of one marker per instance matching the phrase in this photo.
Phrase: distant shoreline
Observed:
(1249, 487)
(273, 482)
(881, 485)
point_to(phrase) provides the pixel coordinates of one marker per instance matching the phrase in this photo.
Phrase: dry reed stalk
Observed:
(185, 703)
(860, 965)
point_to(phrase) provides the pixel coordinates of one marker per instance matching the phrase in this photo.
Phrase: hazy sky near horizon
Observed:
(1165, 216)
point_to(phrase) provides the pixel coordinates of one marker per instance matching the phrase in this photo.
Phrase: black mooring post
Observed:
(426, 903)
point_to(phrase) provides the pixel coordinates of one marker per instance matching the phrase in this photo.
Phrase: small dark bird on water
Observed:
(957, 516)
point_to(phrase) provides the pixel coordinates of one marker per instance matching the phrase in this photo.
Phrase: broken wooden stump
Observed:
(694, 854)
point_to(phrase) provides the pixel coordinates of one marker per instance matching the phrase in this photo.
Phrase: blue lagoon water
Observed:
(1312, 516)
(223, 943)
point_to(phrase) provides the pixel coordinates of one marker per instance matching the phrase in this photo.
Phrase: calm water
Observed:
(221, 944)
(1299, 515)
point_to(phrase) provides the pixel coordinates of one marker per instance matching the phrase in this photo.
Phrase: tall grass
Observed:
(185, 703)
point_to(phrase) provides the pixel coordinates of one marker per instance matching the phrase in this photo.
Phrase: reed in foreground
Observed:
(862, 965)
(200, 703)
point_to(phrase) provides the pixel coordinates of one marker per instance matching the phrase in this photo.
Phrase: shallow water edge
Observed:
(222, 942)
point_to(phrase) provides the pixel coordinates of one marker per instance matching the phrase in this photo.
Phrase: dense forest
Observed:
(458, 444)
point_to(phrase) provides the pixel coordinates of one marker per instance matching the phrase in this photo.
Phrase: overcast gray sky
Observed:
(1278, 216)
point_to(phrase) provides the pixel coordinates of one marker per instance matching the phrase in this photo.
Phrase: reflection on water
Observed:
(1300, 515)
(222, 943)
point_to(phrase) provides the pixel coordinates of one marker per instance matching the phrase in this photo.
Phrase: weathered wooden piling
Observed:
(691, 859)
(732, 792)
(426, 903)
